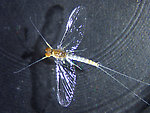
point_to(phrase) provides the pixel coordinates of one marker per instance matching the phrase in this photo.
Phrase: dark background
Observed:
(117, 35)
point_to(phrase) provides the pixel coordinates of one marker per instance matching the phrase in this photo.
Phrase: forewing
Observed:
(66, 81)
(74, 29)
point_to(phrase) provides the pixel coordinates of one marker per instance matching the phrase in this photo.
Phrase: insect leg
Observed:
(73, 63)
(76, 50)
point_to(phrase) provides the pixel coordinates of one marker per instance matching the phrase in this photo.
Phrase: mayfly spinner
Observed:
(66, 78)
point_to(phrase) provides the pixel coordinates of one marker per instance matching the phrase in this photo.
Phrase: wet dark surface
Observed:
(117, 35)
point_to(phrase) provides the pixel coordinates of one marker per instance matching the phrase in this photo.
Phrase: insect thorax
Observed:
(57, 53)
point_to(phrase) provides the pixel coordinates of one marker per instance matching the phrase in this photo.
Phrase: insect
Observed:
(65, 53)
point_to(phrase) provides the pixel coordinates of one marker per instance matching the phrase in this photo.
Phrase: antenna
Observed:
(40, 34)
(39, 59)
(30, 65)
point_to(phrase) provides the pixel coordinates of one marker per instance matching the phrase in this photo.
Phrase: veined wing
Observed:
(74, 29)
(66, 81)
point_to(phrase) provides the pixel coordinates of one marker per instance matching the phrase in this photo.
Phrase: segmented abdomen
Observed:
(82, 59)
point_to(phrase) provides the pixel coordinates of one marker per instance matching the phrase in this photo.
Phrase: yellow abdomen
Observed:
(82, 59)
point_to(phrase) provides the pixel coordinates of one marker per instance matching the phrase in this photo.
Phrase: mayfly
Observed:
(65, 76)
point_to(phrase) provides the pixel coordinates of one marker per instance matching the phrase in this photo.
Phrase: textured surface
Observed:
(117, 35)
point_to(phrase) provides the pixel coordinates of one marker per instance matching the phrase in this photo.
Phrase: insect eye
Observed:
(48, 50)
(47, 54)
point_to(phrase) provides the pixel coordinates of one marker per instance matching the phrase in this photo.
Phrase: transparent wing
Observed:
(66, 81)
(74, 29)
